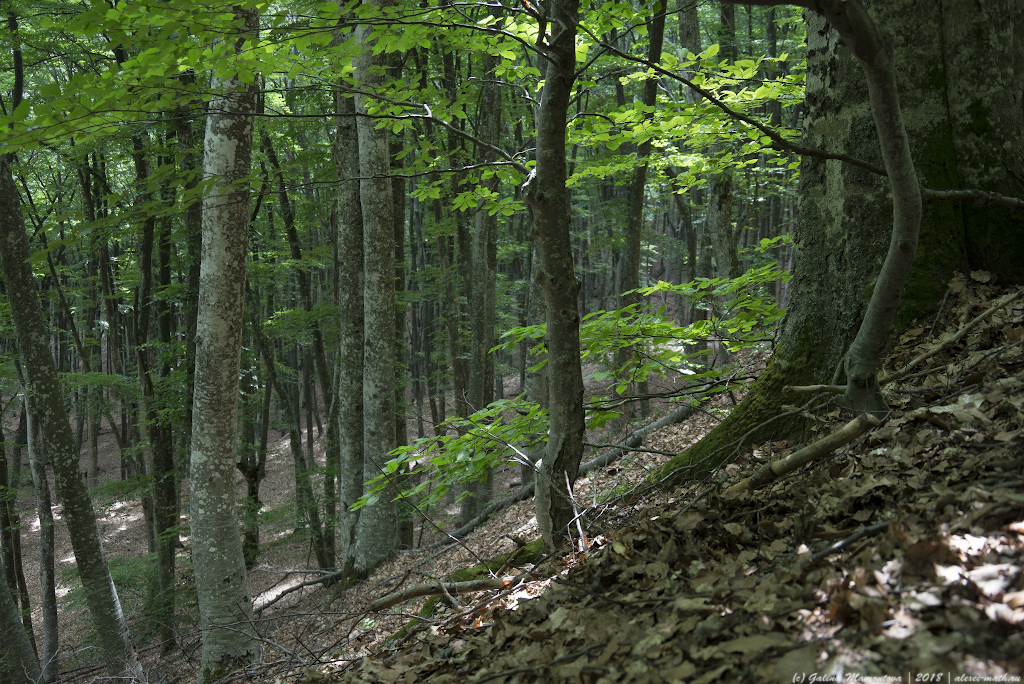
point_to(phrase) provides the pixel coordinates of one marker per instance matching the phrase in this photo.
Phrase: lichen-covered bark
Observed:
(41, 374)
(845, 213)
(350, 336)
(843, 226)
(547, 195)
(375, 532)
(225, 604)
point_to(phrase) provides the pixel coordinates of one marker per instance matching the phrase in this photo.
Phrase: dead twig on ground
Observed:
(418, 590)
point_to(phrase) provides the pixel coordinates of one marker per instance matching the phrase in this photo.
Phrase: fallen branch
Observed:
(770, 472)
(308, 583)
(843, 543)
(978, 198)
(636, 439)
(418, 590)
(814, 389)
(999, 304)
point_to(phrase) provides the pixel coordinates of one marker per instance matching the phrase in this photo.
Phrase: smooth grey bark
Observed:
(350, 336)
(47, 579)
(375, 531)
(44, 389)
(225, 604)
(547, 195)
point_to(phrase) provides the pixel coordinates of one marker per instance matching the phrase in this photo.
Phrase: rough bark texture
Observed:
(225, 604)
(845, 213)
(375, 533)
(718, 224)
(547, 195)
(43, 387)
(350, 337)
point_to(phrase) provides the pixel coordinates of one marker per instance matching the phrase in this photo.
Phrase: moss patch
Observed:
(762, 403)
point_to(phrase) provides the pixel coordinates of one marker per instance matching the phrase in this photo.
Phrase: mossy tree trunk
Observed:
(350, 338)
(845, 213)
(44, 390)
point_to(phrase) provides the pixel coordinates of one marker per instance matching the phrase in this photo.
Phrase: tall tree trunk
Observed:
(225, 605)
(536, 381)
(483, 279)
(19, 665)
(108, 620)
(546, 193)
(161, 447)
(638, 187)
(375, 533)
(405, 512)
(323, 547)
(350, 337)
(47, 579)
(188, 162)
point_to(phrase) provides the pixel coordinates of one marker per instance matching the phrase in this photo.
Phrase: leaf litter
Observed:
(898, 557)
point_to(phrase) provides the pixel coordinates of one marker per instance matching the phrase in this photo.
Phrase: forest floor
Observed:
(895, 558)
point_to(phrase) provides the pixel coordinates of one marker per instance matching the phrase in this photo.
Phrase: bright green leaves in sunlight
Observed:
(466, 450)
(740, 314)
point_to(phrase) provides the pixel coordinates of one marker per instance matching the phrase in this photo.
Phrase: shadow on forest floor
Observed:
(898, 557)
